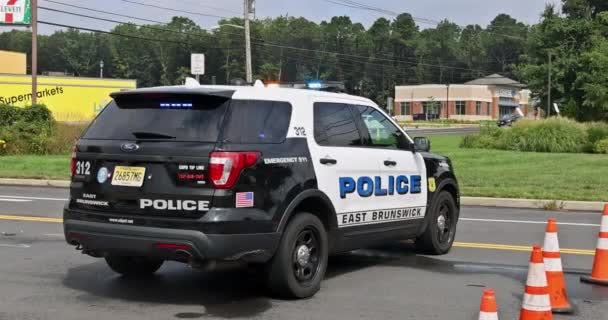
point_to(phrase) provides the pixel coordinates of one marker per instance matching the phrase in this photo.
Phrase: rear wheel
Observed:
(300, 262)
(133, 266)
(439, 235)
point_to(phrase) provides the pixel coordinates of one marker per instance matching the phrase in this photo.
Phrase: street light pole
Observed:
(549, 89)
(248, 67)
(34, 51)
(101, 69)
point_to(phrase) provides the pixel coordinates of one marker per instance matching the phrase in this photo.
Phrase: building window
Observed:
(406, 108)
(505, 99)
(461, 107)
(478, 109)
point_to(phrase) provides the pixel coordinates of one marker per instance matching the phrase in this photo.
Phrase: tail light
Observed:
(225, 167)
(73, 163)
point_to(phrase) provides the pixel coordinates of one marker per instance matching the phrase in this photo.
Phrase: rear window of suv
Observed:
(195, 118)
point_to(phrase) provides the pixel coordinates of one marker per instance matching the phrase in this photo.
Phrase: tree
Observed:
(576, 44)
(505, 40)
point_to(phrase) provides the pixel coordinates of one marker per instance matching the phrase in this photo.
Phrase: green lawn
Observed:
(510, 174)
(39, 167)
(487, 173)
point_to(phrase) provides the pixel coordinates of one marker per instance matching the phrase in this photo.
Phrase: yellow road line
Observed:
(26, 218)
(494, 246)
(475, 245)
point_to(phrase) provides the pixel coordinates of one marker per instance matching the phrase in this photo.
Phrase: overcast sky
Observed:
(462, 12)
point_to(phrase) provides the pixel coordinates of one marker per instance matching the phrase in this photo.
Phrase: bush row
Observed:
(32, 130)
(549, 135)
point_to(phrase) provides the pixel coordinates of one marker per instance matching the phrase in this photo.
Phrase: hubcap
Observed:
(306, 258)
(303, 255)
(445, 222)
(441, 222)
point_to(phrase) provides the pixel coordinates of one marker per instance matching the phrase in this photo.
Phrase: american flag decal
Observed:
(244, 199)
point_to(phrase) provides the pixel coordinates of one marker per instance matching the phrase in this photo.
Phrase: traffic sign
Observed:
(15, 12)
(197, 63)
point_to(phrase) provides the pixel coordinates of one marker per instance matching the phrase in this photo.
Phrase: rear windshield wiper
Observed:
(151, 135)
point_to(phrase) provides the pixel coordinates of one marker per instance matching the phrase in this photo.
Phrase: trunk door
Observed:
(148, 154)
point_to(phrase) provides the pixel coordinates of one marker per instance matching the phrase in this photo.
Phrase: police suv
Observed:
(276, 177)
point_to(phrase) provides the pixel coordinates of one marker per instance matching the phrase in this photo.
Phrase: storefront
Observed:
(487, 98)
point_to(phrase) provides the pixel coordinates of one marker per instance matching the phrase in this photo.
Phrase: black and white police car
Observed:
(276, 177)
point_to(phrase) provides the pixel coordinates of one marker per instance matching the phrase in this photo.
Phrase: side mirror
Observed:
(422, 144)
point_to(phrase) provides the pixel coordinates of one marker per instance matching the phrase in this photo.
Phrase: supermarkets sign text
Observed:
(70, 99)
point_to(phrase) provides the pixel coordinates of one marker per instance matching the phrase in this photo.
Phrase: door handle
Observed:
(390, 163)
(328, 161)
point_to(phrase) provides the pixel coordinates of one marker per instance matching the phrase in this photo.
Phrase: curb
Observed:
(35, 183)
(465, 201)
(533, 204)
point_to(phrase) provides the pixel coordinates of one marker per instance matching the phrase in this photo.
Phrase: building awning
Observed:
(508, 104)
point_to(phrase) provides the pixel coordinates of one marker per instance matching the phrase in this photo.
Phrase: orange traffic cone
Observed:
(599, 274)
(555, 273)
(488, 309)
(536, 304)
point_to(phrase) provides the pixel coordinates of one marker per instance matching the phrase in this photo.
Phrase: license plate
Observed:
(128, 176)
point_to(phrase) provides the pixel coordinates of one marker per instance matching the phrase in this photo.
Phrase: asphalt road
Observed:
(41, 277)
(441, 131)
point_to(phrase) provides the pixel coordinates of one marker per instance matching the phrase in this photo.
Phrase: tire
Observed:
(133, 266)
(433, 241)
(288, 277)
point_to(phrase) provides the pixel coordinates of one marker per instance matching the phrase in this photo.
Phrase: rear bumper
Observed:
(99, 239)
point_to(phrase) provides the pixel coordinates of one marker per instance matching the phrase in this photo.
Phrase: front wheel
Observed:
(133, 266)
(300, 262)
(439, 235)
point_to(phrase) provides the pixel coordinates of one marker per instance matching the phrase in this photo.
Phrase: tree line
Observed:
(370, 61)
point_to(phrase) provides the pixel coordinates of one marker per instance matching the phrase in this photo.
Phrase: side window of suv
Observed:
(382, 132)
(335, 125)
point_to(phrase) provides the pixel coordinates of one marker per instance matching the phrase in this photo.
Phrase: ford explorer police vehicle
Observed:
(276, 177)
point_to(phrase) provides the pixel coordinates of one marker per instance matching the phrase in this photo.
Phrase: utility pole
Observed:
(549, 89)
(248, 68)
(34, 51)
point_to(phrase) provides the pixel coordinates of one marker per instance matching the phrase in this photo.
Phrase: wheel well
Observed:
(319, 208)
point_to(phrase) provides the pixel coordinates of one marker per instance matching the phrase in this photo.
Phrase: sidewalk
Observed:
(465, 201)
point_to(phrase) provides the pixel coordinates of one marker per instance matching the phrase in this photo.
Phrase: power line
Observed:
(112, 21)
(176, 10)
(105, 12)
(211, 7)
(123, 35)
(106, 32)
(361, 6)
(259, 41)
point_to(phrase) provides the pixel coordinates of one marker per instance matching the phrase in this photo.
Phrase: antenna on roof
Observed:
(191, 83)
(258, 84)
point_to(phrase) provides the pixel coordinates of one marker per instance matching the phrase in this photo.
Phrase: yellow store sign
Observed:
(70, 99)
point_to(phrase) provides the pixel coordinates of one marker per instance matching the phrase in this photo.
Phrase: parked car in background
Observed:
(508, 120)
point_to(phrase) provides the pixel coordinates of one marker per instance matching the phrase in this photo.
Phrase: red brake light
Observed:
(73, 162)
(225, 167)
(178, 246)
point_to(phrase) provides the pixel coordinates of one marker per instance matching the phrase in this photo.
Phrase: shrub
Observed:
(487, 139)
(549, 135)
(36, 113)
(596, 131)
(8, 114)
(601, 146)
(31, 130)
